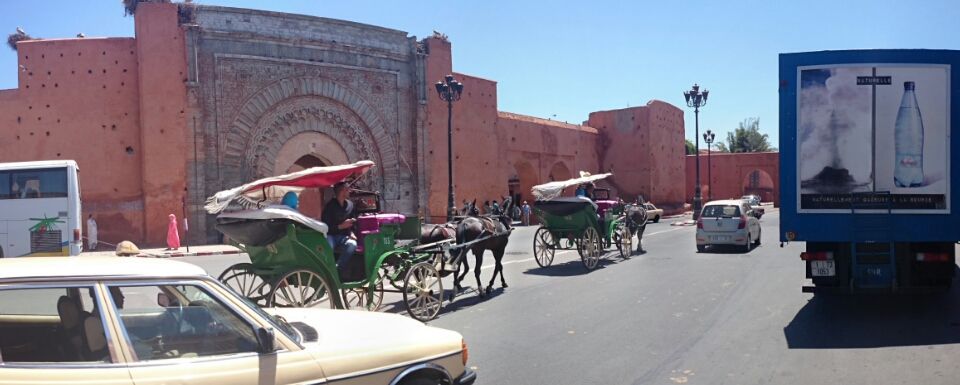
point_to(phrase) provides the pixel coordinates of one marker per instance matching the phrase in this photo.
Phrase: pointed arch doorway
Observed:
(305, 150)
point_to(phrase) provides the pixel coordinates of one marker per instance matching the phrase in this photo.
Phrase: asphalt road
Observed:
(673, 316)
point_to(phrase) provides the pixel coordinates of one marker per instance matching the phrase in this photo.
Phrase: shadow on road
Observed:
(575, 266)
(727, 249)
(467, 297)
(872, 321)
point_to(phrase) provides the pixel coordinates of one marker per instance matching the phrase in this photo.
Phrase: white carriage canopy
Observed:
(273, 188)
(552, 190)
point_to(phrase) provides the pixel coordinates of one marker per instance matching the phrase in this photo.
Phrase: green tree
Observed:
(691, 148)
(720, 147)
(747, 138)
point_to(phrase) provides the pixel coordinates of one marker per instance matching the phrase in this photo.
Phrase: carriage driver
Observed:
(339, 215)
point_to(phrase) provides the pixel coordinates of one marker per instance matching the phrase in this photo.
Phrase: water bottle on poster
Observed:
(908, 137)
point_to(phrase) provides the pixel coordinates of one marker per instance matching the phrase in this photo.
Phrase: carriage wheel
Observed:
(624, 239)
(243, 280)
(361, 298)
(590, 247)
(302, 288)
(391, 270)
(423, 292)
(543, 247)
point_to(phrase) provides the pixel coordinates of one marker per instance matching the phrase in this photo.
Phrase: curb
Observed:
(196, 254)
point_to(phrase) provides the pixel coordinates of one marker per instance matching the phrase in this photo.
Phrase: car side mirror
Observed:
(266, 340)
(163, 300)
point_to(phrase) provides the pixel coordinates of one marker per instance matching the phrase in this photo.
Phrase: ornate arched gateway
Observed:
(267, 89)
(289, 107)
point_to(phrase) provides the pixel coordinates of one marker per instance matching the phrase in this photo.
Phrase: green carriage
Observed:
(589, 226)
(293, 265)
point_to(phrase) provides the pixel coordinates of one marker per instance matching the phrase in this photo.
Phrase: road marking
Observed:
(490, 266)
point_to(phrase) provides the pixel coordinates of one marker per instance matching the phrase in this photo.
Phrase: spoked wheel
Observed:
(423, 292)
(242, 279)
(590, 247)
(362, 299)
(392, 270)
(543, 247)
(302, 288)
(624, 240)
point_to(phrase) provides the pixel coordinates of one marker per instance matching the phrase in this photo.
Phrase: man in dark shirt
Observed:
(339, 216)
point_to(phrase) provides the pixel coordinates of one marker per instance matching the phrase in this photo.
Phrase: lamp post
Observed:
(708, 137)
(696, 99)
(449, 90)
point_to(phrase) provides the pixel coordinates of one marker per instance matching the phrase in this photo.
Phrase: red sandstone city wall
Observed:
(644, 147)
(117, 107)
(540, 151)
(163, 104)
(78, 99)
(476, 144)
(731, 174)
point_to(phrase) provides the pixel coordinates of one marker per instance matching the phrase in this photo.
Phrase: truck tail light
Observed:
(816, 256)
(933, 257)
(76, 235)
(700, 224)
(743, 222)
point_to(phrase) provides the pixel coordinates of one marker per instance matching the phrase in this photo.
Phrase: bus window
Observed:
(49, 183)
(5, 185)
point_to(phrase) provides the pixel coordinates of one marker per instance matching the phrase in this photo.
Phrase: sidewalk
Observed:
(202, 250)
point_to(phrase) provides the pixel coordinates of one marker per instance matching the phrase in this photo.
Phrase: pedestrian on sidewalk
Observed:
(526, 213)
(173, 236)
(91, 233)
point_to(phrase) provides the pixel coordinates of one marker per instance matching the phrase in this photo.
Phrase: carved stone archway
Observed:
(286, 108)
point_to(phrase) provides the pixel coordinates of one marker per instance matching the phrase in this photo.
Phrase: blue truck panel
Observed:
(940, 224)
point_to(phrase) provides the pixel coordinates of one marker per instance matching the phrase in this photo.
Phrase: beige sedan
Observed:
(149, 321)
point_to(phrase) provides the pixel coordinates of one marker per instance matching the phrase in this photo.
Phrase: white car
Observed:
(728, 222)
(653, 213)
(113, 320)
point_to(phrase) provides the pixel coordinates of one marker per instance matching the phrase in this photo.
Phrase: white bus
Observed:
(40, 209)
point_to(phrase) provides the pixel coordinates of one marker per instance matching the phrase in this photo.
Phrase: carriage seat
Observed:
(370, 224)
(604, 205)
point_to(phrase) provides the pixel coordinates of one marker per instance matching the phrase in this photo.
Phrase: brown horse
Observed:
(475, 227)
(431, 233)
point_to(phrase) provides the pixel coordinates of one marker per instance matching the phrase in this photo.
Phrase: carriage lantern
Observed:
(449, 90)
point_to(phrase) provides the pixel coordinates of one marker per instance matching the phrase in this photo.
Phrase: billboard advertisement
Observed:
(874, 134)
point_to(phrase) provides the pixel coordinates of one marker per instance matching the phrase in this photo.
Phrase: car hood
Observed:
(363, 339)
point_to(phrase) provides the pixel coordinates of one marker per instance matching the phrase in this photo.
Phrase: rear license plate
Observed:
(721, 238)
(823, 268)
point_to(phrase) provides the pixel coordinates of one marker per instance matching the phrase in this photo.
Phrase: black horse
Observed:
(475, 227)
(636, 222)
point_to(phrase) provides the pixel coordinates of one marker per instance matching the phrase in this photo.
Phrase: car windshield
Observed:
(277, 321)
(721, 211)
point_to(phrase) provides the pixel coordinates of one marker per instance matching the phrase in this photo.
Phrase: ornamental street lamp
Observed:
(708, 137)
(696, 99)
(449, 90)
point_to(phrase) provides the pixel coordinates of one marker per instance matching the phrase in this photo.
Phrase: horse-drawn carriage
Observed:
(293, 265)
(588, 225)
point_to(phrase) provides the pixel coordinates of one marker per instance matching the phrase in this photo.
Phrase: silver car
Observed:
(728, 222)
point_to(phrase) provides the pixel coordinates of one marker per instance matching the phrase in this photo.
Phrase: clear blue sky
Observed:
(564, 59)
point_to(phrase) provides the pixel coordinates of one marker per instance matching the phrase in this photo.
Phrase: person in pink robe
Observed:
(173, 236)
